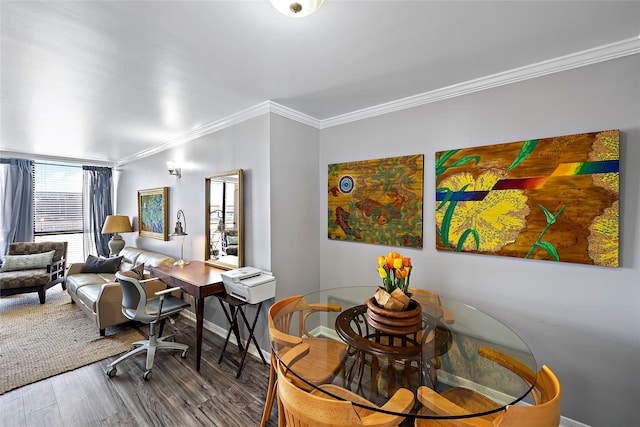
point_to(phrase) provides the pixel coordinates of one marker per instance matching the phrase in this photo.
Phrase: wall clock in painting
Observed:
(551, 199)
(377, 201)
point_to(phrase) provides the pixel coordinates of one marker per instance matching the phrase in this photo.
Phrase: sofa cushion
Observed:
(129, 256)
(24, 279)
(136, 272)
(153, 259)
(89, 295)
(27, 262)
(29, 248)
(101, 265)
(76, 281)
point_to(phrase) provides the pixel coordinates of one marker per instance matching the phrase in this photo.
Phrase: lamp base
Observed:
(181, 262)
(116, 244)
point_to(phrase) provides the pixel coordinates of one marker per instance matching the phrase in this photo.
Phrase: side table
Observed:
(235, 307)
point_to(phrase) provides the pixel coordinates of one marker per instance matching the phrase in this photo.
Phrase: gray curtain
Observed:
(96, 195)
(18, 197)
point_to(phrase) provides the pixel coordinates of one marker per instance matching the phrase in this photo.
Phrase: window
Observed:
(57, 206)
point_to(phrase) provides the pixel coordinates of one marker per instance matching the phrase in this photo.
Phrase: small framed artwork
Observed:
(153, 215)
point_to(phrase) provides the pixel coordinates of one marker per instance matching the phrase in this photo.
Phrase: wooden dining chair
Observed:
(431, 304)
(324, 358)
(544, 413)
(299, 408)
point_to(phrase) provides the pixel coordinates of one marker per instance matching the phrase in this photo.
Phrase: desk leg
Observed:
(199, 321)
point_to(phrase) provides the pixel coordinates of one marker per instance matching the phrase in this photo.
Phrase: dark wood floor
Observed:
(177, 395)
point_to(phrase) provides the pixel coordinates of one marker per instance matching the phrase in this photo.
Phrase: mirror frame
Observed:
(208, 256)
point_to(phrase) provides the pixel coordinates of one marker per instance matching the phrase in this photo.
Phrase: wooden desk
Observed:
(198, 280)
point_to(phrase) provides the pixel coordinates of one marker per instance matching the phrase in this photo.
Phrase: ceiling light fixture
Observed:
(296, 8)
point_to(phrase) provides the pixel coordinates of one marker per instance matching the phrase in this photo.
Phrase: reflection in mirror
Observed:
(223, 220)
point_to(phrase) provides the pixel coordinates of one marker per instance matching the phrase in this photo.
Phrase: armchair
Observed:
(30, 267)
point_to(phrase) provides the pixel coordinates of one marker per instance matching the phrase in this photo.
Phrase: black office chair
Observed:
(136, 306)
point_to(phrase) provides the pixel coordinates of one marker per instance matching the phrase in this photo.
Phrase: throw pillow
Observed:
(27, 262)
(101, 265)
(232, 240)
(136, 272)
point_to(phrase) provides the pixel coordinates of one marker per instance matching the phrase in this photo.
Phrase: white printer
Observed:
(249, 284)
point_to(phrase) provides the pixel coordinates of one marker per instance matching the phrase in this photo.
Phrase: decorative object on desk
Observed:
(181, 233)
(377, 201)
(116, 224)
(554, 199)
(153, 214)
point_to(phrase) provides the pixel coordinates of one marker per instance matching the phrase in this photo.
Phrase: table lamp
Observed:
(116, 224)
(180, 232)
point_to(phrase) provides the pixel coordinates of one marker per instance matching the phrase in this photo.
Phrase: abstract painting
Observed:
(153, 215)
(377, 201)
(553, 199)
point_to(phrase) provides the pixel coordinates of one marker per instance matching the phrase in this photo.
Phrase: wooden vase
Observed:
(394, 322)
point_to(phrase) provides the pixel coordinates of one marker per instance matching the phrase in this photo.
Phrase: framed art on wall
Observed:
(377, 201)
(553, 199)
(153, 214)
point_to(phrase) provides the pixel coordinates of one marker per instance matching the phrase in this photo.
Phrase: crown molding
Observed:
(234, 119)
(575, 60)
(85, 161)
(292, 114)
(595, 55)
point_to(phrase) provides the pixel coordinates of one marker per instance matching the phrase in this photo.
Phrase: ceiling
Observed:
(109, 80)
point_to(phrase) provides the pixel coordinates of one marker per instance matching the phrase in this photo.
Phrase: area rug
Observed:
(38, 341)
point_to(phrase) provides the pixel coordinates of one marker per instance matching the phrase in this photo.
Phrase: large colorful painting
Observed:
(377, 201)
(153, 215)
(551, 199)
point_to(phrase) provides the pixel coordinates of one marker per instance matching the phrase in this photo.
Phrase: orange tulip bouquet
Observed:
(395, 271)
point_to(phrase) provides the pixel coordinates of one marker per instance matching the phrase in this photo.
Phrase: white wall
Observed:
(243, 146)
(582, 321)
(295, 209)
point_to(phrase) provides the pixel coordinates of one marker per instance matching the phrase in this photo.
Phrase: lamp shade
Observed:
(117, 224)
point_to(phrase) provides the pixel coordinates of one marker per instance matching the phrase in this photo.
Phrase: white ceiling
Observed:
(105, 80)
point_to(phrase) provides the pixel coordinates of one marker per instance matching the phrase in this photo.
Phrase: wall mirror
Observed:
(224, 220)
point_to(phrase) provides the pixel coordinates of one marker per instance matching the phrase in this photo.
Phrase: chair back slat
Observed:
(544, 414)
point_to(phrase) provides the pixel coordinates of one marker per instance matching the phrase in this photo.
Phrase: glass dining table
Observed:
(453, 350)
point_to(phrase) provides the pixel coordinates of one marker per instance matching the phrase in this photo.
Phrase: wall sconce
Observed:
(296, 8)
(180, 232)
(174, 169)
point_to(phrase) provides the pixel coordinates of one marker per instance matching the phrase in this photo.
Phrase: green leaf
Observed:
(446, 220)
(463, 238)
(550, 249)
(550, 218)
(447, 196)
(526, 149)
(445, 156)
(464, 160)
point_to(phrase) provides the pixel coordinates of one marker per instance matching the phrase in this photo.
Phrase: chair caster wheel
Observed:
(147, 375)
(111, 372)
(184, 354)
